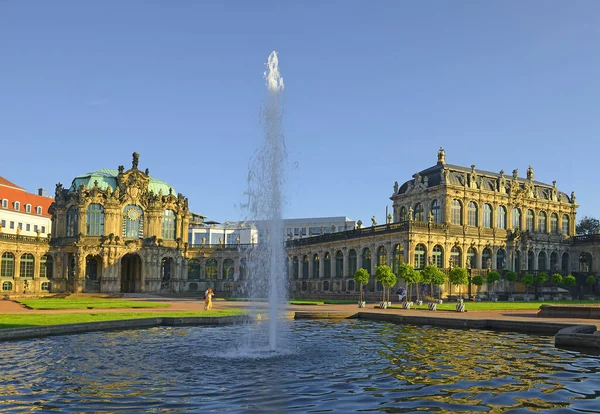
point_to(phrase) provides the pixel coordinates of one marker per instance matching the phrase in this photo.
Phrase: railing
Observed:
(227, 246)
(586, 238)
(24, 239)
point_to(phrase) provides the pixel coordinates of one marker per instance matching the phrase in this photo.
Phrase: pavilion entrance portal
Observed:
(131, 273)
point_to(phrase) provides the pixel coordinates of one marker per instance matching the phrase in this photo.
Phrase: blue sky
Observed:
(372, 90)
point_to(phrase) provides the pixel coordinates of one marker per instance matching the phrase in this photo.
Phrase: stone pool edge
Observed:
(566, 335)
(17, 334)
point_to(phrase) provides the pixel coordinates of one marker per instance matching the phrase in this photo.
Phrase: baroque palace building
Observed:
(450, 215)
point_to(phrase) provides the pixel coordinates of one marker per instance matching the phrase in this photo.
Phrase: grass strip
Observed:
(28, 320)
(86, 303)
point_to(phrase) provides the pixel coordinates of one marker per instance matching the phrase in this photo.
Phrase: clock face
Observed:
(133, 214)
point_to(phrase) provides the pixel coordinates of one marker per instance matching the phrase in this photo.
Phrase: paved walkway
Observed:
(192, 304)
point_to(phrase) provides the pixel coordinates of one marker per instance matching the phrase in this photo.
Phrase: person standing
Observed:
(208, 299)
(401, 294)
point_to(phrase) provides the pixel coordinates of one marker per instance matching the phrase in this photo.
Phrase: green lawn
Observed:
(24, 320)
(85, 303)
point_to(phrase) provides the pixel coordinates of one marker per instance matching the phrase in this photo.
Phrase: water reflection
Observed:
(330, 366)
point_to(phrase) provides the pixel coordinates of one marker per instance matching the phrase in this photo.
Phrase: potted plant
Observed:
(556, 281)
(438, 279)
(410, 276)
(433, 276)
(387, 278)
(459, 276)
(511, 277)
(527, 281)
(361, 277)
(492, 278)
(477, 281)
(569, 281)
(540, 279)
(591, 282)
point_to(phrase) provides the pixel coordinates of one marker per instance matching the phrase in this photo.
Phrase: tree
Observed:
(588, 225)
(477, 281)
(511, 277)
(591, 282)
(540, 279)
(429, 274)
(569, 281)
(387, 278)
(492, 278)
(438, 279)
(409, 275)
(458, 276)
(557, 280)
(362, 278)
(527, 281)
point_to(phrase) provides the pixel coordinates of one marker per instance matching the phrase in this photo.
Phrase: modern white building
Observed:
(24, 213)
(300, 228)
(204, 233)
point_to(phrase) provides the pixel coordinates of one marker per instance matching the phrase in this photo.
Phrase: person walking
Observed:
(401, 294)
(208, 295)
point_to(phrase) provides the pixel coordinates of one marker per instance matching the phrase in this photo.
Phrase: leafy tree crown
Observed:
(361, 276)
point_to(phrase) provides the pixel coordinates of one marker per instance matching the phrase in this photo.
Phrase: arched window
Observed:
(352, 262)
(72, 221)
(7, 286)
(133, 222)
(17, 206)
(166, 267)
(530, 259)
(228, 269)
(553, 262)
(339, 264)
(542, 222)
(486, 258)
(295, 268)
(28, 208)
(501, 217)
(500, 259)
(398, 258)
(419, 214)
(456, 217)
(305, 261)
(38, 210)
(471, 258)
(46, 264)
(327, 264)
(487, 216)
(211, 269)
(420, 254)
(516, 219)
(438, 256)
(194, 269)
(94, 223)
(529, 220)
(381, 256)
(91, 268)
(435, 211)
(565, 262)
(366, 259)
(585, 262)
(455, 256)
(8, 265)
(472, 213)
(315, 266)
(27, 266)
(565, 224)
(168, 225)
(542, 261)
(403, 214)
(554, 223)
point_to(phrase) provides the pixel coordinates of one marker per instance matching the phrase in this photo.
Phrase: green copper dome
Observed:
(106, 178)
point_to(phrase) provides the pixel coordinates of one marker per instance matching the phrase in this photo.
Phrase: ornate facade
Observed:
(449, 215)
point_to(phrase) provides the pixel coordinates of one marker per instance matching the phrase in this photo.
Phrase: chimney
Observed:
(41, 192)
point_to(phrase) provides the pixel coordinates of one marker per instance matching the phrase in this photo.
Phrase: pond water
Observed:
(326, 366)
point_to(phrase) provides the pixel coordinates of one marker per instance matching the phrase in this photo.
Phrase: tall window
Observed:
(7, 265)
(166, 267)
(315, 266)
(542, 222)
(91, 268)
(133, 222)
(542, 260)
(295, 268)
(305, 261)
(438, 256)
(168, 225)
(366, 259)
(95, 220)
(455, 258)
(27, 265)
(46, 263)
(211, 269)
(419, 214)
(352, 262)
(420, 253)
(516, 219)
(487, 216)
(565, 224)
(554, 261)
(501, 217)
(228, 269)
(529, 220)
(194, 269)
(471, 262)
(398, 258)
(486, 258)
(403, 214)
(472, 212)
(339, 264)
(381, 256)
(435, 211)
(500, 259)
(327, 267)
(72, 221)
(554, 223)
(456, 212)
